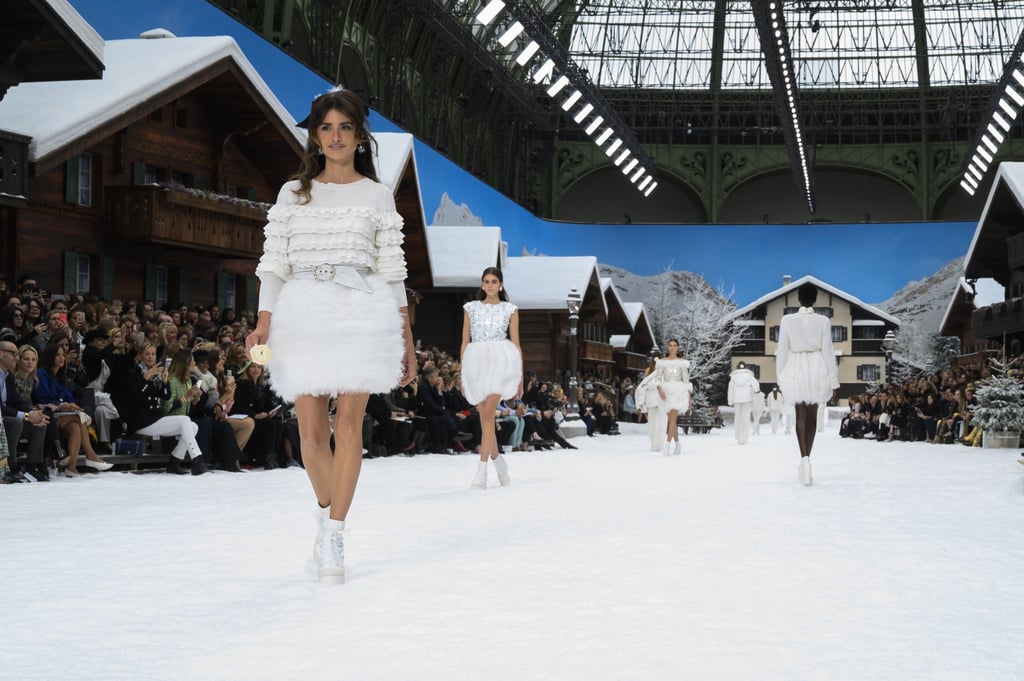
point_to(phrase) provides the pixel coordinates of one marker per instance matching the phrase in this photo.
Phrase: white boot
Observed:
(332, 552)
(480, 481)
(805, 470)
(501, 467)
(667, 451)
(678, 449)
(322, 516)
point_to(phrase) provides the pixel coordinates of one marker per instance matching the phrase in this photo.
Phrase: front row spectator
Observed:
(21, 418)
(138, 401)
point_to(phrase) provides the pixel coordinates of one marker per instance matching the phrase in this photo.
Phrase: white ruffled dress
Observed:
(491, 364)
(673, 375)
(327, 337)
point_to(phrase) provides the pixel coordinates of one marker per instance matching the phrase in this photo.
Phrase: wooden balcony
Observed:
(153, 214)
(601, 353)
(13, 168)
(627, 362)
(999, 320)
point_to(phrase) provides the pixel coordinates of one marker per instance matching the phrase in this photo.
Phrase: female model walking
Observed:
(672, 374)
(806, 367)
(492, 364)
(332, 305)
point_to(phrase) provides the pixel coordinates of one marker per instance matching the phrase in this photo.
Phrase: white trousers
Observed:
(776, 420)
(181, 427)
(657, 427)
(742, 421)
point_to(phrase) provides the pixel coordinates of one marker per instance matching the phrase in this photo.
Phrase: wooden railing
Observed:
(592, 351)
(158, 215)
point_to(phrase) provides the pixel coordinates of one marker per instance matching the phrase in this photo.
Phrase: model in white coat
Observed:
(649, 402)
(806, 366)
(742, 386)
(757, 409)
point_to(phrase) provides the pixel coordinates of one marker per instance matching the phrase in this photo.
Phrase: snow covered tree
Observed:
(919, 352)
(695, 314)
(1000, 400)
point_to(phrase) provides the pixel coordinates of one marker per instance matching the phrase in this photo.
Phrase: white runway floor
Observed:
(902, 562)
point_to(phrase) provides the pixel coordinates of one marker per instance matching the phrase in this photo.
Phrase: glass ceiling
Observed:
(667, 44)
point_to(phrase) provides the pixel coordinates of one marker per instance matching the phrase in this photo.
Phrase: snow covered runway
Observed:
(903, 561)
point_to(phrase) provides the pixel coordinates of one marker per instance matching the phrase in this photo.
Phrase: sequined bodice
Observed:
(672, 370)
(488, 322)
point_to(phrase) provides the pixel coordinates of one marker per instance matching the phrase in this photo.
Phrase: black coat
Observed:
(138, 401)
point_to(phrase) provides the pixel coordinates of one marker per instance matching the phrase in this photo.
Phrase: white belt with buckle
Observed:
(344, 275)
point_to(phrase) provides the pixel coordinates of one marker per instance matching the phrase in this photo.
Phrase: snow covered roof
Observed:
(90, 39)
(542, 282)
(55, 114)
(459, 254)
(822, 286)
(619, 340)
(394, 150)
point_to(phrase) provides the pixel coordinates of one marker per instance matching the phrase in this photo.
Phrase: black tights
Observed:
(806, 426)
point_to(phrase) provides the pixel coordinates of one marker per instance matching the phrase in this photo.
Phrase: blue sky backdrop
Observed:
(870, 261)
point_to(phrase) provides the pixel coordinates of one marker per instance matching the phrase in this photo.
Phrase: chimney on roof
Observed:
(786, 279)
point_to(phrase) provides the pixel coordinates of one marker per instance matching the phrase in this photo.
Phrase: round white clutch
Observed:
(260, 354)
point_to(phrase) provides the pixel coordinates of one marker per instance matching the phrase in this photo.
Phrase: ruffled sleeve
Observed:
(390, 258)
(274, 269)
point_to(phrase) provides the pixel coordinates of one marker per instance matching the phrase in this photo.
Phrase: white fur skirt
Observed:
(677, 396)
(805, 379)
(491, 368)
(328, 339)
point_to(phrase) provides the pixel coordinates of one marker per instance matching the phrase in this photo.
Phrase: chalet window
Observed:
(157, 116)
(178, 178)
(838, 334)
(232, 191)
(181, 118)
(78, 180)
(160, 291)
(826, 311)
(869, 372)
(84, 274)
(773, 334)
(149, 176)
(755, 369)
(77, 272)
(227, 290)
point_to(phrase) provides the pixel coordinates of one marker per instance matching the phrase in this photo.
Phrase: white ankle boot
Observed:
(805, 470)
(480, 481)
(332, 552)
(667, 451)
(502, 468)
(678, 449)
(322, 516)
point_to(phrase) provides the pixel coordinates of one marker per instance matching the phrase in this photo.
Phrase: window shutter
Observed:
(108, 277)
(150, 290)
(71, 181)
(70, 271)
(184, 285)
(250, 293)
(251, 193)
(138, 173)
(222, 287)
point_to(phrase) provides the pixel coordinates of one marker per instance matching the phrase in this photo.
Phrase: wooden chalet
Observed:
(857, 333)
(958, 320)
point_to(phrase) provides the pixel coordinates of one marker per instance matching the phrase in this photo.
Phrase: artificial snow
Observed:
(902, 561)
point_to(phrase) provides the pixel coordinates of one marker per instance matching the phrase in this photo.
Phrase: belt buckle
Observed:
(323, 273)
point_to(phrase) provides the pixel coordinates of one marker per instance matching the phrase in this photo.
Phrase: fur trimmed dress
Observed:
(673, 375)
(805, 361)
(332, 274)
(491, 364)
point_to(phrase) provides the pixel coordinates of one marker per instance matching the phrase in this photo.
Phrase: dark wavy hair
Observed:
(807, 294)
(502, 295)
(672, 340)
(348, 103)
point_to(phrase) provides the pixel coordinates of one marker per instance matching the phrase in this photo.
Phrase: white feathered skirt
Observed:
(491, 368)
(805, 379)
(328, 339)
(677, 396)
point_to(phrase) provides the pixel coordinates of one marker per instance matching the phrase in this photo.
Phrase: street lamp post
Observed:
(573, 301)
(888, 345)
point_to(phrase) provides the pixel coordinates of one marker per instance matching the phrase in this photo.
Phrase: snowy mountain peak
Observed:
(449, 213)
